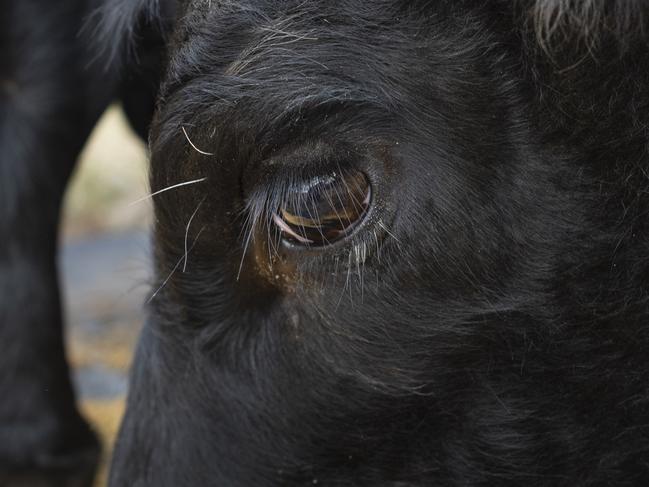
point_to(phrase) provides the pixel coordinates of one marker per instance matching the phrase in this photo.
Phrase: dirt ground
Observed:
(104, 263)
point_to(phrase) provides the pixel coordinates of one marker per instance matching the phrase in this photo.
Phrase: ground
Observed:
(104, 263)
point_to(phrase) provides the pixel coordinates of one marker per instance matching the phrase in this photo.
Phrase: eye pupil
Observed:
(325, 209)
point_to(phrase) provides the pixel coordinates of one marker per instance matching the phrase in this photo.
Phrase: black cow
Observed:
(397, 243)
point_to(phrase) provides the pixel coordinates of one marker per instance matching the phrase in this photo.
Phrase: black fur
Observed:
(48, 104)
(53, 87)
(486, 325)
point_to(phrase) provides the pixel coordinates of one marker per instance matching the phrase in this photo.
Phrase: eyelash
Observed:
(265, 202)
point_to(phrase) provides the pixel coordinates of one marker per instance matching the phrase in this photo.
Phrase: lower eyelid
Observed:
(283, 226)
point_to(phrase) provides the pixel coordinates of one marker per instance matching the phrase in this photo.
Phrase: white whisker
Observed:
(184, 257)
(380, 223)
(149, 196)
(245, 250)
(192, 144)
(347, 282)
(187, 231)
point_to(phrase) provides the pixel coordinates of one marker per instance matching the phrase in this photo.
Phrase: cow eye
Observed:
(324, 209)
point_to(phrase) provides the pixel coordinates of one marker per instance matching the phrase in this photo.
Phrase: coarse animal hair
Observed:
(483, 319)
(469, 320)
(557, 22)
(114, 28)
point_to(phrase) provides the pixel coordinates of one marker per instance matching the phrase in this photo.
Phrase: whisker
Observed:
(271, 244)
(380, 224)
(191, 218)
(149, 196)
(378, 247)
(347, 284)
(358, 256)
(192, 144)
(273, 232)
(249, 232)
(184, 257)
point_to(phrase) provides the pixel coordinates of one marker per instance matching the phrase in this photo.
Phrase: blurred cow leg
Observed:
(49, 102)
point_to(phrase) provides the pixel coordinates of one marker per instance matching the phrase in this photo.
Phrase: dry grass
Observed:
(105, 416)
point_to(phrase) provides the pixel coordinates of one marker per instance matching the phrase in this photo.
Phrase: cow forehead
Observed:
(259, 40)
(284, 62)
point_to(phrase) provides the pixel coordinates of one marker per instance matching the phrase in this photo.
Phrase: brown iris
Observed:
(325, 209)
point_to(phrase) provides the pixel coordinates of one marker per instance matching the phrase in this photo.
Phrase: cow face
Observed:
(358, 236)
